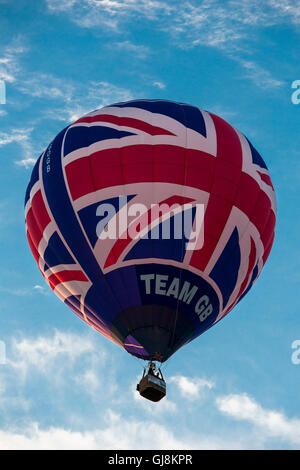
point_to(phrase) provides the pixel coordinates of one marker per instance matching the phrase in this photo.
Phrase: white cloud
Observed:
(138, 50)
(260, 76)
(288, 9)
(71, 100)
(105, 93)
(24, 291)
(40, 352)
(122, 431)
(60, 363)
(228, 27)
(79, 99)
(60, 5)
(43, 352)
(26, 162)
(74, 366)
(9, 61)
(90, 380)
(41, 289)
(270, 422)
(117, 432)
(22, 137)
(159, 85)
(191, 388)
(20, 291)
(67, 113)
(109, 13)
(16, 135)
(47, 86)
(206, 22)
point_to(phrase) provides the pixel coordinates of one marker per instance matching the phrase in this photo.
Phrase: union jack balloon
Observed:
(150, 220)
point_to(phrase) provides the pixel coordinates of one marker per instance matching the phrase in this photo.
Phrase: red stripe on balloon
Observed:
(65, 276)
(37, 218)
(39, 209)
(266, 178)
(159, 163)
(36, 233)
(227, 171)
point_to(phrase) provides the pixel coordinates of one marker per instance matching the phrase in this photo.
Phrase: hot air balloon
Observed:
(95, 223)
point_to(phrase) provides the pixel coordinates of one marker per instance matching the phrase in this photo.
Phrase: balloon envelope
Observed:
(150, 220)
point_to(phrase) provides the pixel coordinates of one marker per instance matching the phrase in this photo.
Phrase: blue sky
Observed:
(62, 384)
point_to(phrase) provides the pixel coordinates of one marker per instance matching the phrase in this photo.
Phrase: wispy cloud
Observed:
(9, 60)
(260, 76)
(159, 85)
(288, 9)
(109, 13)
(46, 86)
(271, 423)
(93, 96)
(137, 50)
(105, 93)
(71, 99)
(21, 137)
(208, 22)
(227, 25)
(16, 135)
(23, 291)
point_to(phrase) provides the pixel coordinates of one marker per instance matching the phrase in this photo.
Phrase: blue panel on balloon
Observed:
(79, 136)
(34, 178)
(226, 269)
(166, 240)
(189, 116)
(56, 252)
(96, 216)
